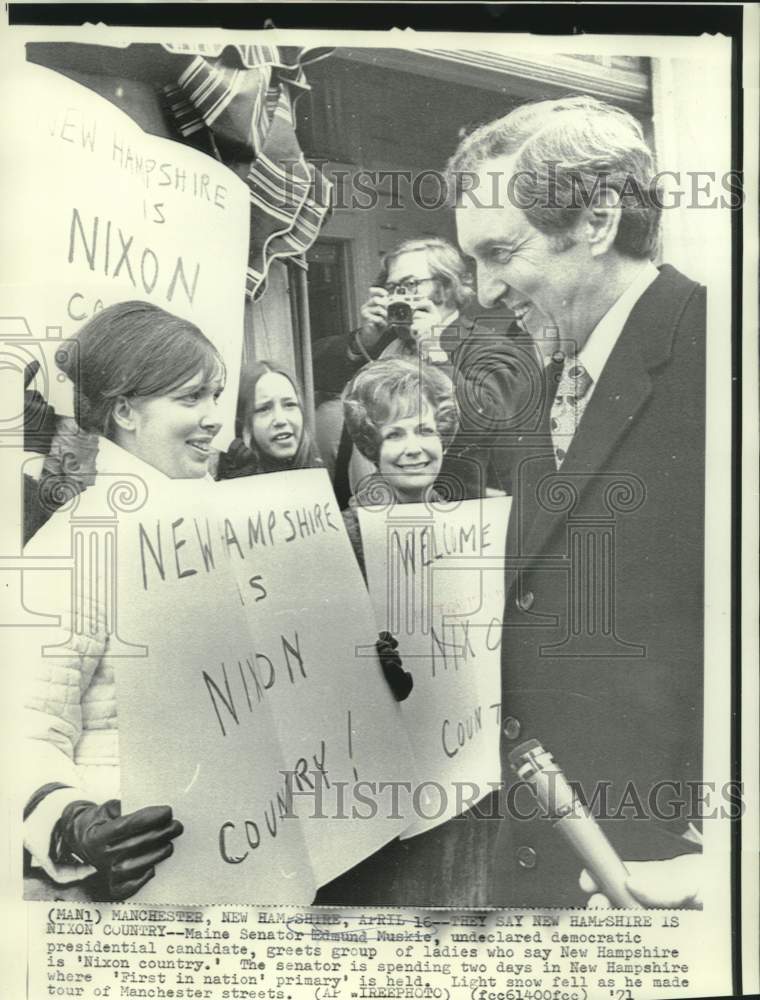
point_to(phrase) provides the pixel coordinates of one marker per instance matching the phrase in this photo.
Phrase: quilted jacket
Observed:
(70, 723)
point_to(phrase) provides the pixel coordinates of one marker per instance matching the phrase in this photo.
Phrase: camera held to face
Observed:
(400, 308)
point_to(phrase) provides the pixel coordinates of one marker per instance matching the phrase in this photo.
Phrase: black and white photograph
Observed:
(372, 458)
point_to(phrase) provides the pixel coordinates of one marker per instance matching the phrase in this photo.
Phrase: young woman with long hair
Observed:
(271, 434)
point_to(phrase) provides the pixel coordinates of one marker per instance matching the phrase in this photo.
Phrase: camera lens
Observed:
(400, 314)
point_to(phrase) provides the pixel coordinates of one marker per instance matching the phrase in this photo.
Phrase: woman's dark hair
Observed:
(394, 388)
(245, 458)
(132, 349)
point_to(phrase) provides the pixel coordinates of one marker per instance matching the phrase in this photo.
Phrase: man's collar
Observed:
(597, 349)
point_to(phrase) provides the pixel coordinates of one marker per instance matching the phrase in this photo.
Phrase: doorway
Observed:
(329, 288)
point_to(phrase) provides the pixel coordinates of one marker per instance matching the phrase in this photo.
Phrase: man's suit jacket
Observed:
(602, 644)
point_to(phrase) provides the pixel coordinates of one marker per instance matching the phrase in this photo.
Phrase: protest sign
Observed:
(312, 615)
(127, 552)
(252, 714)
(101, 212)
(436, 578)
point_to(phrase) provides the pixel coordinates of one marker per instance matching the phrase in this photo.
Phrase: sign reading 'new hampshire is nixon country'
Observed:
(96, 211)
(261, 706)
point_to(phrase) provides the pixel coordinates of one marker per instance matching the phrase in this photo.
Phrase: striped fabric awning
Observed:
(238, 103)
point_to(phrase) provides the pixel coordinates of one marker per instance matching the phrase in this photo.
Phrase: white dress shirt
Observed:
(596, 351)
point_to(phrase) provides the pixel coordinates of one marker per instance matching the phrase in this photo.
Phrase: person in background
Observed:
(65, 457)
(39, 431)
(430, 277)
(271, 435)
(147, 384)
(401, 415)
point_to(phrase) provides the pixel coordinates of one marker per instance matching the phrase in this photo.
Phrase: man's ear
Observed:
(602, 221)
(123, 414)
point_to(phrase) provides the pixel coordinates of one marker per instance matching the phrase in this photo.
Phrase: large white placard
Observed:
(436, 577)
(96, 211)
(260, 708)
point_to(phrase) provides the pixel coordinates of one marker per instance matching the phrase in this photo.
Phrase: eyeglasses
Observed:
(408, 287)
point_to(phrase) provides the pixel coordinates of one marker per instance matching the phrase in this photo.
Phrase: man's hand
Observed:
(673, 884)
(425, 317)
(374, 318)
(124, 849)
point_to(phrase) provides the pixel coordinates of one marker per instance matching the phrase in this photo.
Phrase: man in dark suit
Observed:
(602, 641)
(434, 278)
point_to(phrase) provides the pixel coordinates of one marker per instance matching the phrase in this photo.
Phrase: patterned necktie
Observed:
(569, 404)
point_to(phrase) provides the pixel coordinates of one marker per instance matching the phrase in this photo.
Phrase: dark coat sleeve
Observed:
(332, 365)
(499, 382)
(351, 521)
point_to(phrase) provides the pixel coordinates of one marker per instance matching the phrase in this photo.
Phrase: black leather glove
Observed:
(39, 415)
(399, 680)
(237, 461)
(124, 849)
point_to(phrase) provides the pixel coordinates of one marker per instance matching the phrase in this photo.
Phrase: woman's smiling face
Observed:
(277, 424)
(411, 453)
(173, 432)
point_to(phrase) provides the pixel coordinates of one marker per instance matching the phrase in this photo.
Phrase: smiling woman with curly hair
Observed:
(401, 415)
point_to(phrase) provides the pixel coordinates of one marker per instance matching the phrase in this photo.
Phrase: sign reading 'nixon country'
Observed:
(102, 212)
(263, 684)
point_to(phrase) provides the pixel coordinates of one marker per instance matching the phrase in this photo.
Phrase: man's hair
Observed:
(565, 152)
(445, 261)
(393, 389)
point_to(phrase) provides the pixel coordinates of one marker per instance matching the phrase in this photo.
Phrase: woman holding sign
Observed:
(401, 415)
(147, 383)
(270, 429)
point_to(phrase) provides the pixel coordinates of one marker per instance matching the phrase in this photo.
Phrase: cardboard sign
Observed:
(102, 212)
(260, 711)
(436, 578)
(225, 787)
(311, 614)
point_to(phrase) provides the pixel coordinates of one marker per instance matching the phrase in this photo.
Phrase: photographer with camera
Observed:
(415, 309)
(411, 305)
